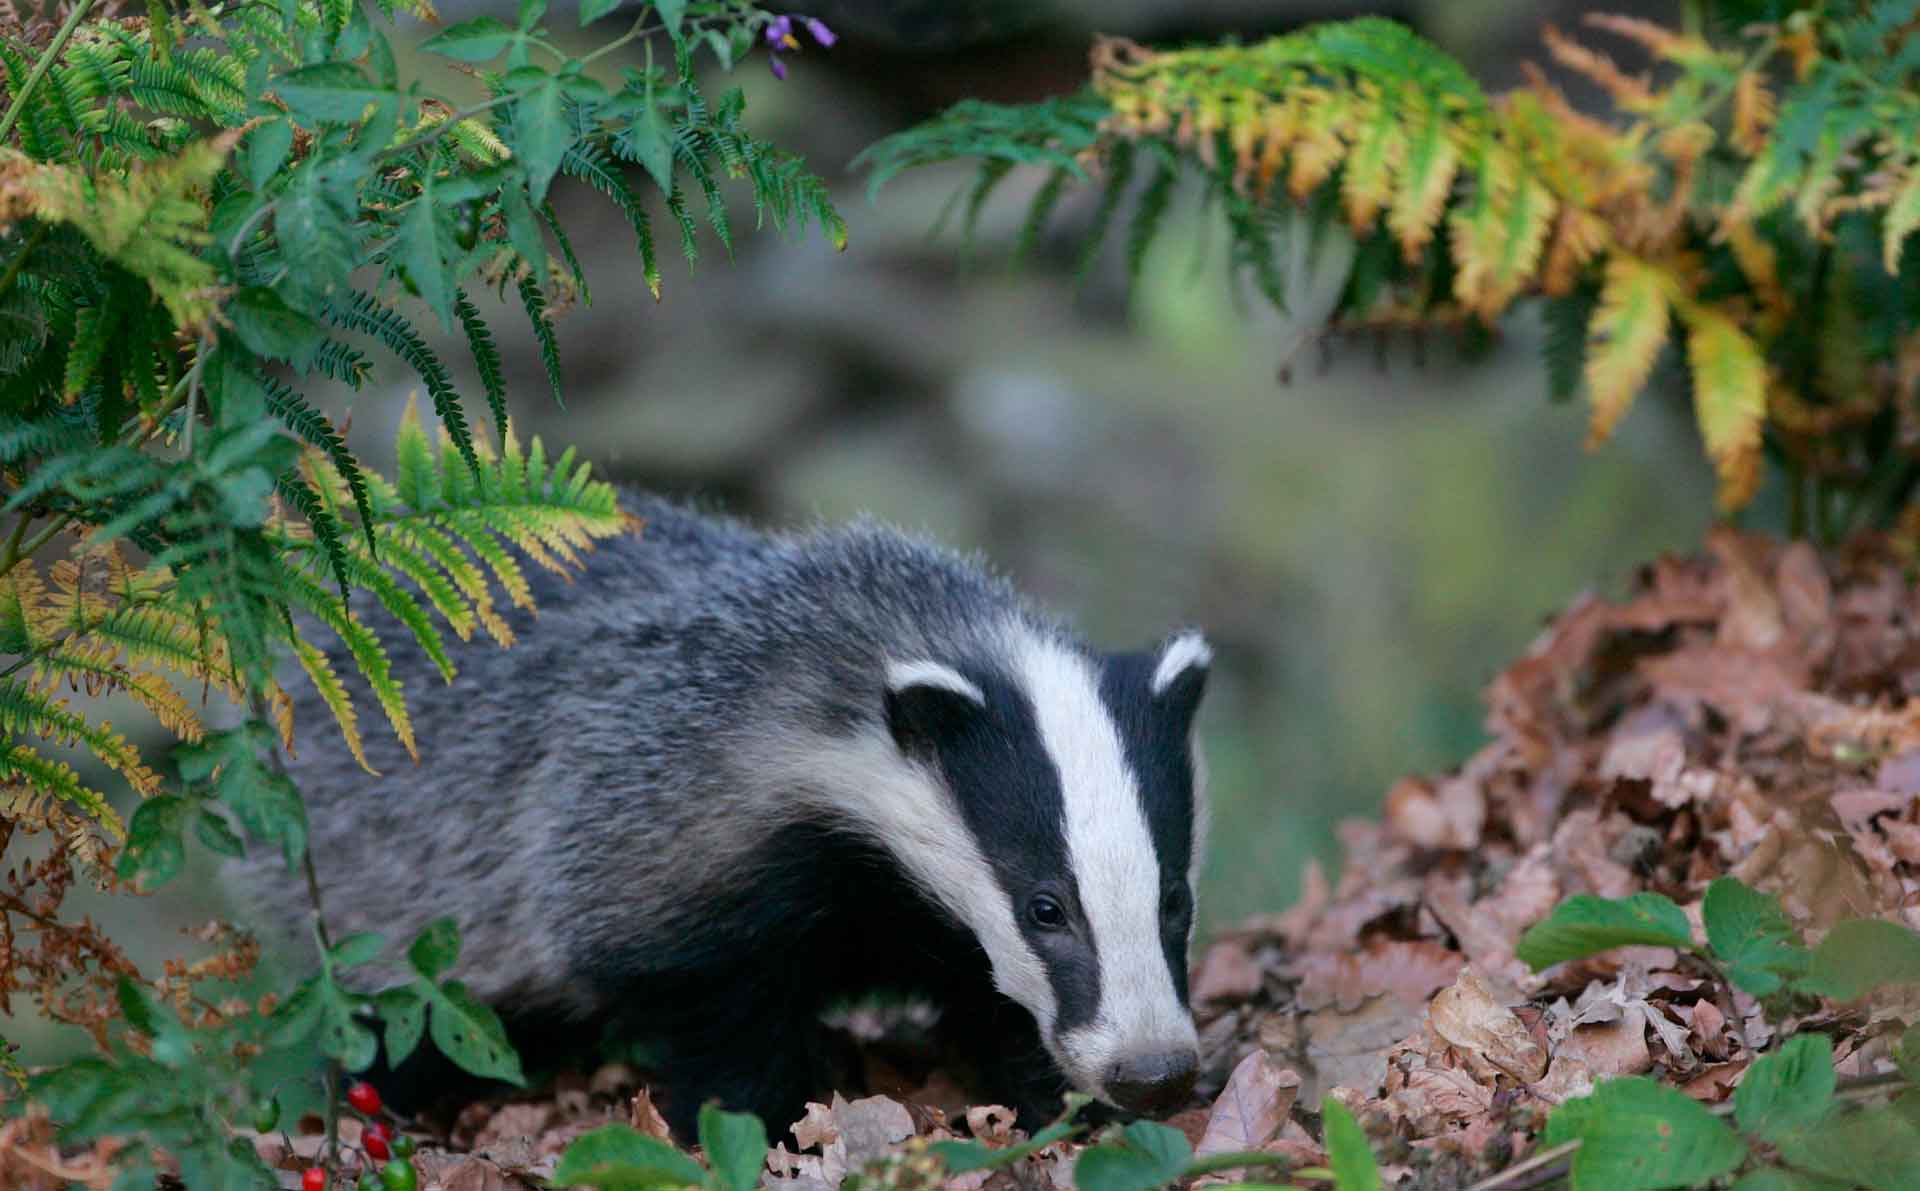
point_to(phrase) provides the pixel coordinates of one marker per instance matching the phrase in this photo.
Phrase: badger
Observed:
(729, 779)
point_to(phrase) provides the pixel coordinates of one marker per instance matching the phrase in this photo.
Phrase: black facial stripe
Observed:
(1008, 792)
(1155, 737)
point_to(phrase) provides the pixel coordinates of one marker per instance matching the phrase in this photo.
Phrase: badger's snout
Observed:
(1152, 1084)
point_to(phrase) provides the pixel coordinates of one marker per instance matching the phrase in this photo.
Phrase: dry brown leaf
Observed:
(642, 1115)
(472, 1174)
(1436, 1099)
(1227, 972)
(1470, 1019)
(1349, 1049)
(1251, 1108)
(991, 1123)
(1611, 1049)
(1406, 971)
(871, 1126)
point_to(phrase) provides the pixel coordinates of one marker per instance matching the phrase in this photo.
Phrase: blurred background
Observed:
(1366, 544)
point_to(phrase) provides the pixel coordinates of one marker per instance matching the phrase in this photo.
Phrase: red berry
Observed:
(313, 1179)
(375, 1139)
(364, 1098)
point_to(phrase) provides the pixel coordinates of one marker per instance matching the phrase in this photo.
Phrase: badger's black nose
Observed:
(1152, 1085)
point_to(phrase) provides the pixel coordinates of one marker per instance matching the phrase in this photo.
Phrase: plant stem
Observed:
(41, 67)
(1545, 1157)
(445, 126)
(26, 250)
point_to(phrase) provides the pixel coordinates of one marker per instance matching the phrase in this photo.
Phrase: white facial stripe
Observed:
(1202, 812)
(1182, 654)
(901, 675)
(1111, 850)
(905, 809)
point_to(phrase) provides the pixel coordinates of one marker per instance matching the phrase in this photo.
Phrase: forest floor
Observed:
(1750, 711)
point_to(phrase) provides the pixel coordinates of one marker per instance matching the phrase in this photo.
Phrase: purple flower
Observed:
(780, 31)
(778, 67)
(825, 36)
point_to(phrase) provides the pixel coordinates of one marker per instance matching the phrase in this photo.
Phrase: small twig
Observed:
(41, 67)
(1545, 1157)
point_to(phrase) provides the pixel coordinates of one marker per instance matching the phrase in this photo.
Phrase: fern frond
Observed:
(26, 710)
(96, 667)
(534, 302)
(1729, 399)
(1626, 334)
(333, 694)
(28, 781)
(313, 428)
(368, 654)
(367, 314)
(486, 358)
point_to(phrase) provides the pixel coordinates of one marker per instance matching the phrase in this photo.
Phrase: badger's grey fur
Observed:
(727, 778)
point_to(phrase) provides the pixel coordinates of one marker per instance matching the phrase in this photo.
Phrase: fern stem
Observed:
(41, 67)
(40, 232)
(445, 126)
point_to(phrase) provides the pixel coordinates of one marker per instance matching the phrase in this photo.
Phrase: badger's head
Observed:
(1074, 815)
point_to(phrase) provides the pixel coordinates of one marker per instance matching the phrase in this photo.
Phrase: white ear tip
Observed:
(901, 675)
(1183, 653)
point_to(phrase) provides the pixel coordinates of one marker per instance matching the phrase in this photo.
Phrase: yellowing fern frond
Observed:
(42, 793)
(1729, 399)
(1627, 332)
(28, 711)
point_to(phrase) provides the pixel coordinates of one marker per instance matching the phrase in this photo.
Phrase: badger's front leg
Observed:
(748, 1044)
(999, 1040)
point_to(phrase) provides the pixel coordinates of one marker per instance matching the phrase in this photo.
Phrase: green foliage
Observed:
(1750, 940)
(620, 1158)
(1584, 925)
(208, 219)
(1347, 1152)
(1638, 1135)
(1752, 203)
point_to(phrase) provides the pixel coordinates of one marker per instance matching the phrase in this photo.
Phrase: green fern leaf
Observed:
(486, 358)
(535, 304)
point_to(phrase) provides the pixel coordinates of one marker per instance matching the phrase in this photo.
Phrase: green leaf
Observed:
(271, 328)
(736, 1146)
(593, 10)
(469, 1032)
(619, 1158)
(1875, 1147)
(1752, 936)
(154, 852)
(1907, 1054)
(1587, 925)
(541, 134)
(1773, 1178)
(478, 40)
(216, 836)
(434, 950)
(1347, 1150)
(962, 1157)
(1788, 1089)
(362, 947)
(265, 151)
(406, 1016)
(335, 92)
(1860, 955)
(1637, 1135)
(647, 142)
(672, 13)
(1148, 1156)
(423, 251)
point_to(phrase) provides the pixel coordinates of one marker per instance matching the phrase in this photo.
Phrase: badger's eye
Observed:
(1046, 912)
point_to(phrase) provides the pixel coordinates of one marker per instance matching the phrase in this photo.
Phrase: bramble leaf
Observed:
(1586, 925)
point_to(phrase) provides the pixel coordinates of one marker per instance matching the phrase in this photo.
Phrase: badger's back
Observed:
(615, 779)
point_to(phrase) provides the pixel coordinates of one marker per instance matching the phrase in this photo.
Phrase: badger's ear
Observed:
(1180, 673)
(928, 702)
